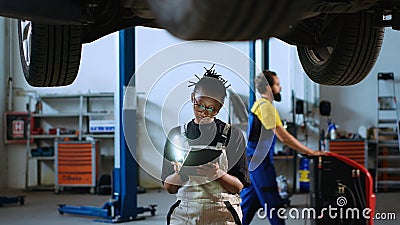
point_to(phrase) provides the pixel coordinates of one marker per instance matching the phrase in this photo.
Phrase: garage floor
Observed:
(41, 208)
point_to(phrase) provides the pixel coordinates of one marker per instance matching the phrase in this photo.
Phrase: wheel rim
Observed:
(319, 55)
(26, 36)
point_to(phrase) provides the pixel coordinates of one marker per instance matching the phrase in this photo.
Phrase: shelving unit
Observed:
(68, 117)
(387, 169)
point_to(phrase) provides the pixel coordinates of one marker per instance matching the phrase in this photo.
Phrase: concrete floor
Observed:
(40, 208)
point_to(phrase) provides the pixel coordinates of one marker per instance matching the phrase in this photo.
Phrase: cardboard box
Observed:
(101, 124)
(382, 138)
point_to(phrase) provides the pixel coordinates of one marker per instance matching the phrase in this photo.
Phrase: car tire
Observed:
(50, 54)
(357, 47)
(226, 20)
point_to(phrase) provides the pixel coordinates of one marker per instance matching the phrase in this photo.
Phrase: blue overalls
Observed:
(263, 190)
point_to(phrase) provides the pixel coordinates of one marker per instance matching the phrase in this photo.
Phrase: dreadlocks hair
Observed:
(263, 79)
(211, 83)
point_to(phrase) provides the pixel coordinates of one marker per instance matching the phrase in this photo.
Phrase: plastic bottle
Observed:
(332, 131)
(39, 107)
(282, 186)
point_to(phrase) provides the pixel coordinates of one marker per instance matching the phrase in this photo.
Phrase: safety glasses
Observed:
(212, 110)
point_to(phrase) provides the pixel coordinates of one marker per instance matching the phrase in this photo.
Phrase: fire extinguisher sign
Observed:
(18, 128)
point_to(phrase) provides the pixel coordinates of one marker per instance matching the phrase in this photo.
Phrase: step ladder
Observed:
(387, 163)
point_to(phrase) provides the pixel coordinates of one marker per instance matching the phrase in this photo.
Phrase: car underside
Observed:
(338, 41)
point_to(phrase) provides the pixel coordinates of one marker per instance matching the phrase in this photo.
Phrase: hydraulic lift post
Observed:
(123, 206)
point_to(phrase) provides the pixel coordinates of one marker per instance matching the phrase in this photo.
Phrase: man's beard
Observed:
(277, 97)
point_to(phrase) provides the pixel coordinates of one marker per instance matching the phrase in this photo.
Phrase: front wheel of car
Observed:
(352, 55)
(50, 54)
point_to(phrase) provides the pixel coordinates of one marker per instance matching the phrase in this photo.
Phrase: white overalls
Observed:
(205, 202)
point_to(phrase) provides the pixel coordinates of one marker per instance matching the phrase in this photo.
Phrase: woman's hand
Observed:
(173, 182)
(177, 166)
(210, 170)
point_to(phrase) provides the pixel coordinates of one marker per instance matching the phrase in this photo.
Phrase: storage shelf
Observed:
(52, 136)
(99, 95)
(99, 135)
(58, 115)
(42, 158)
(98, 114)
(74, 112)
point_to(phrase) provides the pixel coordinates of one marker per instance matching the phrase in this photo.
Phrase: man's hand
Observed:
(316, 153)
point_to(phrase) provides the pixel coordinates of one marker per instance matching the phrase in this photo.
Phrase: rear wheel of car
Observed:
(349, 60)
(226, 20)
(50, 54)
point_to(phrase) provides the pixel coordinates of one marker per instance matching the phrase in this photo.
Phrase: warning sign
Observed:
(16, 124)
(18, 128)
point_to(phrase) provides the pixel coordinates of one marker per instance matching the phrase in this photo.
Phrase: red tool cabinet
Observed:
(76, 164)
(350, 148)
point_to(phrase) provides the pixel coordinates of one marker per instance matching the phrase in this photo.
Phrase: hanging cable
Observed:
(10, 66)
(357, 184)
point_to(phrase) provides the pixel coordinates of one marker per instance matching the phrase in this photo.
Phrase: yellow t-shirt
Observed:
(266, 113)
